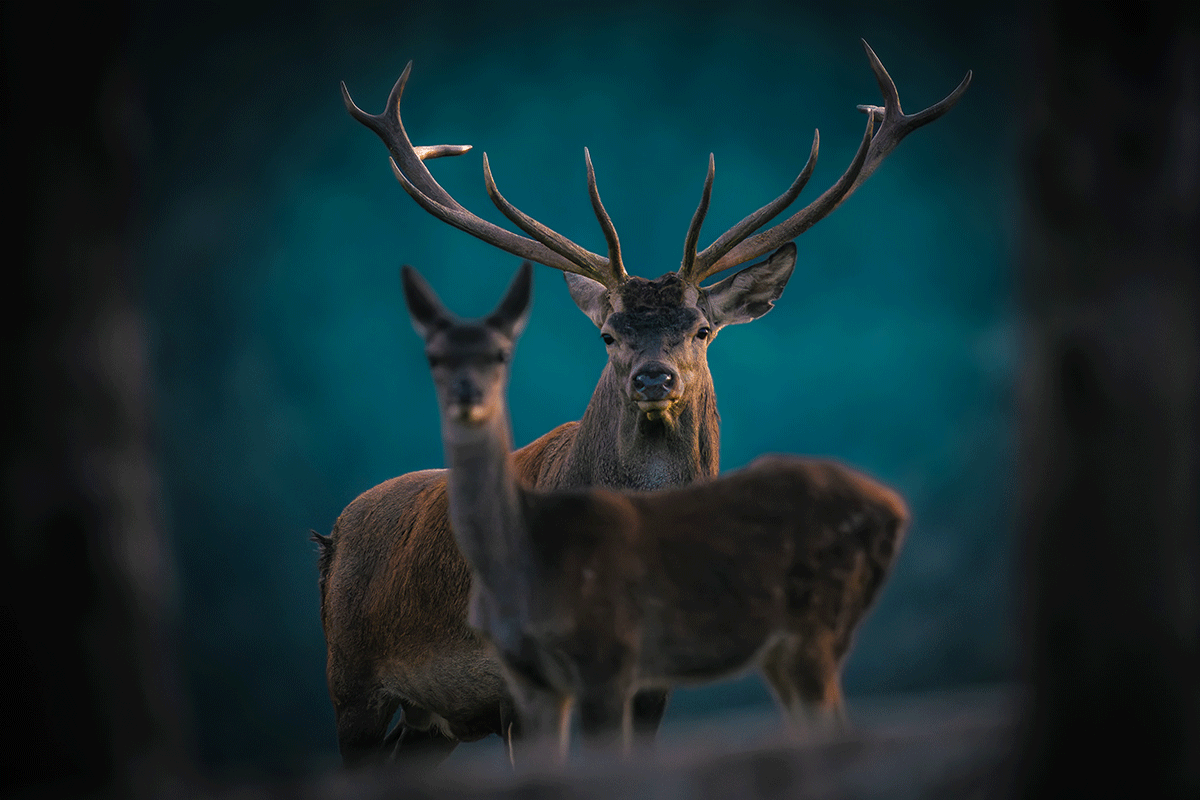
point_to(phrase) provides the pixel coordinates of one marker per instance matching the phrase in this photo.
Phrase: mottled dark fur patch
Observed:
(657, 304)
(642, 294)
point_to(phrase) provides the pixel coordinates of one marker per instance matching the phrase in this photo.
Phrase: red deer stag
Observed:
(587, 595)
(393, 585)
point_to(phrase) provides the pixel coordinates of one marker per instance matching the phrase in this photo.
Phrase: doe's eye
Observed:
(608, 339)
(704, 333)
(434, 361)
(500, 356)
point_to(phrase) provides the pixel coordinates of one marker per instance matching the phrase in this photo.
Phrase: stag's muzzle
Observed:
(655, 387)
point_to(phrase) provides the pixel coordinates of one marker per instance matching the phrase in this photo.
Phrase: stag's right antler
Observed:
(546, 247)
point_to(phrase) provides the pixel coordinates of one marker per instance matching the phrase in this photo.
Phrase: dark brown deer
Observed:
(393, 584)
(587, 595)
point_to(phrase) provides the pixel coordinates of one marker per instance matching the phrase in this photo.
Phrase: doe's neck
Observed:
(486, 502)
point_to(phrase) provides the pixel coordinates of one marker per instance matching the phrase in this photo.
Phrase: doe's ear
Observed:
(589, 295)
(426, 310)
(748, 294)
(513, 312)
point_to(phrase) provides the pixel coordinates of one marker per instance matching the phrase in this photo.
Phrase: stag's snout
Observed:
(655, 387)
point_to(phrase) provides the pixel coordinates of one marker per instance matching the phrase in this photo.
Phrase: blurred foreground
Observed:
(938, 745)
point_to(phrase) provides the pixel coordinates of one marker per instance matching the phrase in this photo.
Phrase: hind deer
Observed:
(587, 595)
(393, 584)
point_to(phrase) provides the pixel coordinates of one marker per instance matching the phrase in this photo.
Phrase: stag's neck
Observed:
(486, 506)
(618, 446)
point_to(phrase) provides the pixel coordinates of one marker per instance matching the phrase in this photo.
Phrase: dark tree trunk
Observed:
(90, 689)
(1111, 403)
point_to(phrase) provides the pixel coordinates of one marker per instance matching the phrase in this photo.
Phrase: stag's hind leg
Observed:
(362, 721)
(805, 675)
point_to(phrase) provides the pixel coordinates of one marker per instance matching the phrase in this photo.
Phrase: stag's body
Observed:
(394, 586)
(591, 595)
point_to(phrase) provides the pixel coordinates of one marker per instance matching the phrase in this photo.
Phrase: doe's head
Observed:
(469, 357)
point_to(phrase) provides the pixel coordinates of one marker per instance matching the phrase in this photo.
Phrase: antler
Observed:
(737, 246)
(546, 247)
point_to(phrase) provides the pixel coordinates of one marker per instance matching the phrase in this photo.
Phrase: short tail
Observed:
(324, 559)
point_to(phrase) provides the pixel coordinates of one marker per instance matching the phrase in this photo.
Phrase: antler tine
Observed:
(894, 126)
(697, 267)
(408, 166)
(481, 229)
(390, 128)
(803, 219)
(693, 234)
(583, 262)
(606, 224)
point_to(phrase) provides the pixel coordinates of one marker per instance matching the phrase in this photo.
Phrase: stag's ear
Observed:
(513, 312)
(426, 310)
(591, 297)
(748, 294)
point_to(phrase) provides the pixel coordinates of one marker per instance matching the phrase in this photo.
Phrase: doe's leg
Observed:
(806, 679)
(649, 706)
(541, 731)
(606, 719)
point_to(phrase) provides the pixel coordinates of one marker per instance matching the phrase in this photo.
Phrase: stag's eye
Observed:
(500, 356)
(434, 361)
(608, 339)
(703, 333)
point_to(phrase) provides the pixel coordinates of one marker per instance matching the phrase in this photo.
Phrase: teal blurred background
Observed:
(288, 379)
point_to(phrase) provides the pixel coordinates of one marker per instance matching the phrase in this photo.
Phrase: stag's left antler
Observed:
(737, 245)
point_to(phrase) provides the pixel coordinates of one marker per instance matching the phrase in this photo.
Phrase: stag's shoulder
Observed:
(542, 457)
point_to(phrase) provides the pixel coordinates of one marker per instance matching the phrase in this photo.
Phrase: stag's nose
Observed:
(653, 383)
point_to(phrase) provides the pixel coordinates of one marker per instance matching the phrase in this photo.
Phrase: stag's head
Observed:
(657, 331)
